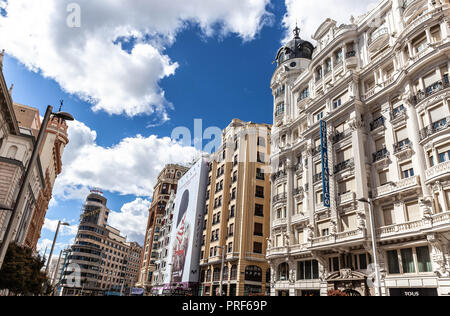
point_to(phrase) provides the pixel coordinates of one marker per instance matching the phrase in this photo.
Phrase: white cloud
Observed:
(52, 225)
(132, 220)
(130, 167)
(89, 61)
(311, 14)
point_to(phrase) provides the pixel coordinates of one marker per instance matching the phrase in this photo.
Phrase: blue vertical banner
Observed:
(325, 169)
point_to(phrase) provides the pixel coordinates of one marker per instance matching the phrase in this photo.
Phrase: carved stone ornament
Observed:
(356, 124)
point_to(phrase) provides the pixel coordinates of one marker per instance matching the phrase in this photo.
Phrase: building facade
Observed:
(236, 223)
(363, 117)
(20, 127)
(166, 184)
(101, 258)
(162, 270)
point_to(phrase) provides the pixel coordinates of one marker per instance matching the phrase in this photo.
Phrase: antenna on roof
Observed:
(61, 103)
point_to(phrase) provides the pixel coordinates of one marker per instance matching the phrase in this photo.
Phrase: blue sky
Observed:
(209, 62)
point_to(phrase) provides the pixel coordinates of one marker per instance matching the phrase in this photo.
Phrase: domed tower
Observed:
(292, 60)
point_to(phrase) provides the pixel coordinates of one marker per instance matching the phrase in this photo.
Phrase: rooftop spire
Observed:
(296, 31)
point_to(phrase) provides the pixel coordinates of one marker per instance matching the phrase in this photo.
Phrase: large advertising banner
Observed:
(184, 251)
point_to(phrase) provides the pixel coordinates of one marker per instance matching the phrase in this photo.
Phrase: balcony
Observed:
(402, 146)
(437, 171)
(378, 39)
(298, 191)
(411, 6)
(394, 188)
(346, 198)
(380, 155)
(342, 237)
(279, 175)
(277, 251)
(341, 136)
(348, 164)
(432, 223)
(317, 177)
(298, 218)
(351, 59)
(379, 122)
(297, 249)
(279, 222)
(432, 89)
(279, 197)
(317, 150)
(435, 128)
(397, 114)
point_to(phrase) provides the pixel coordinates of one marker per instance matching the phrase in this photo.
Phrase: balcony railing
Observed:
(401, 146)
(279, 197)
(438, 170)
(377, 34)
(397, 112)
(435, 128)
(350, 54)
(432, 89)
(279, 174)
(377, 123)
(400, 186)
(317, 150)
(380, 155)
(317, 177)
(298, 191)
(341, 136)
(348, 164)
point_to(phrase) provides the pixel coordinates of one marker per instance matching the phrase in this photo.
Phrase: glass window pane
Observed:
(423, 259)
(408, 261)
(301, 271)
(308, 270)
(394, 267)
(315, 270)
(362, 262)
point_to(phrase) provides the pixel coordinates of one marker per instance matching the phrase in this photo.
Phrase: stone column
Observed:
(290, 198)
(357, 126)
(419, 153)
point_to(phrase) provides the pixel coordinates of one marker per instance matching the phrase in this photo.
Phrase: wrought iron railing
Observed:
(381, 154)
(377, 123)
(402, 145)
(435, 128)
(348, 164)
(432, 89)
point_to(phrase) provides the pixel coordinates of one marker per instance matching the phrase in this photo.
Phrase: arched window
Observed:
(283, 272)
(208, 276)
(12, 152)
(253, 273)
(216, 274)
(225, 273)
(234, 272)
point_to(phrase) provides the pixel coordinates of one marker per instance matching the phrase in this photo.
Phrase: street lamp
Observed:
(53, 245)
(20, 201)
(374, 246)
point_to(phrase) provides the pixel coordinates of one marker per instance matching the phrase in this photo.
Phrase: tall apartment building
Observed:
(236, 223)
(101, 258)
(19, 127)
(166, 184)
(162, 270)
(364, 115)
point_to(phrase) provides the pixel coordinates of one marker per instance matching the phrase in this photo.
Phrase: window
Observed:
(253, 273)
(230, 247)
(337, 103)
(389, 216)
(232, 211)
(283, 272)
(257, 248)
(393, 264)
(384, 177)
(308, 270)
(261, 141)
(258, 231)
(413, 212)
(259, 192)
(444, 153)
(408, 261)
(231, 230)
(279, 110)
(319, 116)
(423, 259)
(407, 170)
(261, 157)
(304, 94)
(259, 210)
(260, 174)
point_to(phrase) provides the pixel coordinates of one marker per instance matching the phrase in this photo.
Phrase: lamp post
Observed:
(374, 246)
(54, 243)
(20, 201)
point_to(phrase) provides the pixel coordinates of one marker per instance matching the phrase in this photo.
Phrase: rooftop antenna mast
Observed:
(61, 103)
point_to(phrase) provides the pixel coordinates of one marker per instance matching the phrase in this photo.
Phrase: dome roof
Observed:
(296, 48)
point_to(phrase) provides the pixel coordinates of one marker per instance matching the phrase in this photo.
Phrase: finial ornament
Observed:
(61, 103)
(296, 31)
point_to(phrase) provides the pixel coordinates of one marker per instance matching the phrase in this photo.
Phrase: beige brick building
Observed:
(236, 223)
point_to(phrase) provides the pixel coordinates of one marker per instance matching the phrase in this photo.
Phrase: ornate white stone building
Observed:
(381, 86)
